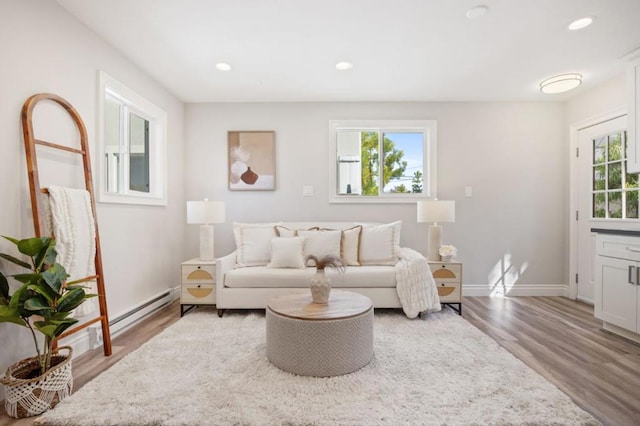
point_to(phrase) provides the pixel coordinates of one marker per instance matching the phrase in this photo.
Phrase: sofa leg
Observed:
(220, 312)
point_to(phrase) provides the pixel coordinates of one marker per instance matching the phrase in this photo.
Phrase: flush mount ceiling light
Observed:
(343, 66)
(223, 66)
(581, 23)
(561, 83)
(477, 12)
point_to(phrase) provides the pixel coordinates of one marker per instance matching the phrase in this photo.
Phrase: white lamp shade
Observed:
(205, 212)
(436, 211)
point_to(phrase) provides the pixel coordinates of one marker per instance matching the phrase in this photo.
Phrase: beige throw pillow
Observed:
(350, 246)
(253, 243)
(287, 253)
(379, 245)
(321, 243)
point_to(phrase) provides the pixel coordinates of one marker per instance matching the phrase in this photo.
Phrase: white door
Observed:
(605, 192)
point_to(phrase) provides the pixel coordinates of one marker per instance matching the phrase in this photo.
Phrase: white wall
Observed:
(44, 49)
(511, 232)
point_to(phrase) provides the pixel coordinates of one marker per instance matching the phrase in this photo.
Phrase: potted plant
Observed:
(43, 304)
(320, 283)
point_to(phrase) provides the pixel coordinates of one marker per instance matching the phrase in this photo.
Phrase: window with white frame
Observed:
(382, 161)
(132, 146)
(614, 191)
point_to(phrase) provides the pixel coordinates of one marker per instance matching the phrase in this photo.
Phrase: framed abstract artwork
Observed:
(252, 160)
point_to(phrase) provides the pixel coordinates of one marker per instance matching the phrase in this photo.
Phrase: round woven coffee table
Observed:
(310, 339)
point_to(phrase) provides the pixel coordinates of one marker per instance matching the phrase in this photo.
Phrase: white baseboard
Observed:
(91, 337)
(516, 290)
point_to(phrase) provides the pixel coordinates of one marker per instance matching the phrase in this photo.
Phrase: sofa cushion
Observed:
(353, 277)
(287, 253)
(380, 244)
(253, 243)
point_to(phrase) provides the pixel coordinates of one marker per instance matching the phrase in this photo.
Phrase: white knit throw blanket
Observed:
(415, 285)
(75, 233)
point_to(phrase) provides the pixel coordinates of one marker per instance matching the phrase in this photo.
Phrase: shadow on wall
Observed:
(505, 274)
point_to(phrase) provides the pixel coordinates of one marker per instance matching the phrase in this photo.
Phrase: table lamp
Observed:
(205, 213)
(436, 211)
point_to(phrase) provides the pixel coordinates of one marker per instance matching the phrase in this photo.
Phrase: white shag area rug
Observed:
(205, 370)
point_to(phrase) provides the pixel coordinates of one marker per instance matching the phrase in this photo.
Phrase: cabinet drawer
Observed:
(198, 274)
(620, 246)
(446, 272)
(449, 292)
(204, 294)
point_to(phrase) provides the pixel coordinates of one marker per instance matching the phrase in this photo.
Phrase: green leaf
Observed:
(8, 314)
(30, 246)
(45, 328)
(15, 260)
(13, 240)
(36, 304)
(27, 278)
(4, 288)
(17, 296)
(55, 276)
(64, 325)
(71, 300)
(44, 254)
(45, 292)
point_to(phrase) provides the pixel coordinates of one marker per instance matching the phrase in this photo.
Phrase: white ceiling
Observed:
(402, 50)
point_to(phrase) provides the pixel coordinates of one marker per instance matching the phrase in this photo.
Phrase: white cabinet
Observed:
(617, 292)
(633, 101)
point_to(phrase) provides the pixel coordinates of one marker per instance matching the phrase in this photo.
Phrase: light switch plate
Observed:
(468, 191)
(307, 191)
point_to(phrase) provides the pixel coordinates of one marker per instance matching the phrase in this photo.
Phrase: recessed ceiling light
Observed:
(342, 66)
(581, 23)
(561, 83)
(223, 67)
(477, 12)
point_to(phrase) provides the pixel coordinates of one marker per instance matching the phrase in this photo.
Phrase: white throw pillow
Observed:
(253, 243)
(287, 253)
(283, 231)
(350, 246)
(321, 243)
(379, 245)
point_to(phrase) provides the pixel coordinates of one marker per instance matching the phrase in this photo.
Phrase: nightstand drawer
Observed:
(446, 272)
(198, 294)
(449, 292)
(198, 274)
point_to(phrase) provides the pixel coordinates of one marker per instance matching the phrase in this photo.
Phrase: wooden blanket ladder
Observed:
(37, 198)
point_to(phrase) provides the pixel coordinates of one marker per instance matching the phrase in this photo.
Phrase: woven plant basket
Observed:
(30, 397)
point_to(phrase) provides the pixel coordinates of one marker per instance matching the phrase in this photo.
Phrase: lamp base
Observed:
(206, 242)
(435, 241)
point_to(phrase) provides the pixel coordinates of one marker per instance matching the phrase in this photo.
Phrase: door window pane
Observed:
(614, 191)
(615, 205)
(632, 204)
(599, 205)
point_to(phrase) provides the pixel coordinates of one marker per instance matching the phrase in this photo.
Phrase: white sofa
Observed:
(251, 286)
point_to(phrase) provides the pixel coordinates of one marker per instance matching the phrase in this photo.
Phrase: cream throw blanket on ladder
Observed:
(75, 233)
(415, 285)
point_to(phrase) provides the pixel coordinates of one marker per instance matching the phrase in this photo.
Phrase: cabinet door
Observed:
(633, 135)
(618, 296)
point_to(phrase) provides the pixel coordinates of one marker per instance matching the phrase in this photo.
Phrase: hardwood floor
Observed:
(557, 337)
(561, 340)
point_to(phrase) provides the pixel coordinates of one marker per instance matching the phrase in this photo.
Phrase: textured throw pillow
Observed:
(350, 246)
(379, 245)
(253, 243)
(283, 231)
(321, 243)
(287, 253)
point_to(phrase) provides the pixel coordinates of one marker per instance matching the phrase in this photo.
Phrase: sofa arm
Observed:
(223, 265)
